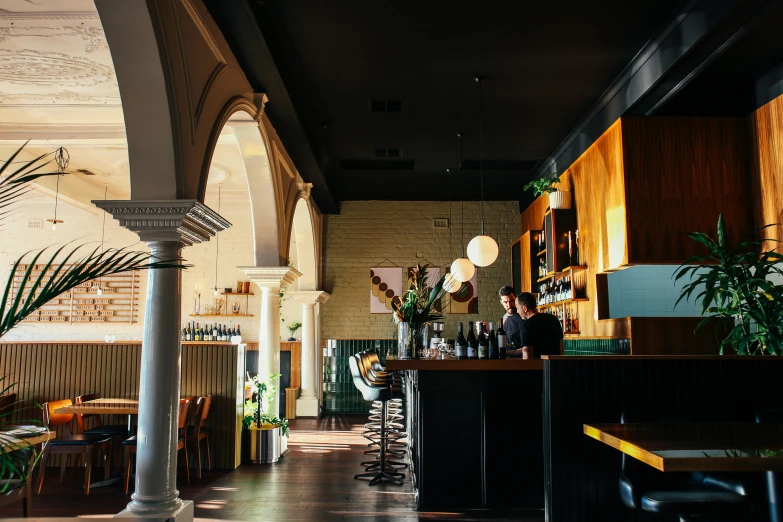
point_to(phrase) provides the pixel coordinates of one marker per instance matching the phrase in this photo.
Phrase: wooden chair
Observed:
(199, 431)
(90, 423)
(19, 488)
(81, 444)
(7, 407)
(130, 444)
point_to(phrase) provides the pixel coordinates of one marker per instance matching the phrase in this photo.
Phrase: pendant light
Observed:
(103, 234)
(217, 245)
(62, 158)
(450, 283)
(462, 268)
(482, 250)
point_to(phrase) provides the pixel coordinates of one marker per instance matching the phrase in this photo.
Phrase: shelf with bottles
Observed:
(568, 317)
(557, 304)
(210, 333)
(220, 315)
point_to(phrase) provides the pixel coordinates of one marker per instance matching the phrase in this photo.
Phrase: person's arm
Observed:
(516, 353)
(527, 352)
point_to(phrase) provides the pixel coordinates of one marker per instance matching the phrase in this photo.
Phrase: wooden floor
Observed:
(314, 482)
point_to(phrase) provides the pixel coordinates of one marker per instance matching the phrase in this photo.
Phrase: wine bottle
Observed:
(460, 345)
(472, 342)
(213, 334)
(493, 343)
(222, 333)
(483, 343)
(501, 341)
(239, 331)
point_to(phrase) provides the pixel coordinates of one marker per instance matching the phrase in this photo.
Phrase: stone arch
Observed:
(303, 229)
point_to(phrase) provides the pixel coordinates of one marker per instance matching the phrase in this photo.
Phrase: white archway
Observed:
(303, 239)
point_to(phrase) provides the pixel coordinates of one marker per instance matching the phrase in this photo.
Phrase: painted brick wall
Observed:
(370, 233)
(82, 226)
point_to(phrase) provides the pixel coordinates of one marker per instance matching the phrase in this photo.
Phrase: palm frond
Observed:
(19, 182)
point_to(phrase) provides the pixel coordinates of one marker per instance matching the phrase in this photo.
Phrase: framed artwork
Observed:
(385, 285)
(465, 300)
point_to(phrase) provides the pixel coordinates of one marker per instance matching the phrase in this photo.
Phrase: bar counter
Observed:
(475, 432)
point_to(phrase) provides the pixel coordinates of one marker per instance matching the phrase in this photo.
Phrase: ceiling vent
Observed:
(86, 172)
(388, 153)
(385, 105)
(384, 164)
(474, 164)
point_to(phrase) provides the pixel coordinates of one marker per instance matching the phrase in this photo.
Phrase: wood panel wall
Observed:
(50, 371)
(766, 126)
(680, 173)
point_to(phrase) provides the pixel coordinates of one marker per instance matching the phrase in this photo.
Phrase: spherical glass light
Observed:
(482, 250)
(462, 269)
(451, 284)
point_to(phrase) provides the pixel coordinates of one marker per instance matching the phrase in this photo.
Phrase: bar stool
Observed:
(383, 392)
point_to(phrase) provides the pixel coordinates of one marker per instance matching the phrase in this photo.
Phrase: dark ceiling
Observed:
(545, 63)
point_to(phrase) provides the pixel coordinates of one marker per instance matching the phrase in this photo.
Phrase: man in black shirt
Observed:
(512, 322)
(542, 334)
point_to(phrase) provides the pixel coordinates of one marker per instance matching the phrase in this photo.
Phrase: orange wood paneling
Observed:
(296, 361)
(680, 173)
(767, 170)
(526, 255)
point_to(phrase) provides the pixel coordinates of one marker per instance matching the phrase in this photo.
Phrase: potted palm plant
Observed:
(558, 199)
(739, 288)
(56, 277)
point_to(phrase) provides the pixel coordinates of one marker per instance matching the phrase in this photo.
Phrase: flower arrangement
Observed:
(420, 303)
(292, 328)
(254, 410)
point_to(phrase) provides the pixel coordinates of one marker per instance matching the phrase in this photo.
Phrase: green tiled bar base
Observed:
(340, 395)
(597, 346)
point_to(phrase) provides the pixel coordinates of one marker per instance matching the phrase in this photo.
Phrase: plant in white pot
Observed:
(558, 199)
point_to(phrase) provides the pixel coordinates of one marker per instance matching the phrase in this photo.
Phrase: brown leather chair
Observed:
(81, 444)
(130, 444)
(199, 431)
(7, 407)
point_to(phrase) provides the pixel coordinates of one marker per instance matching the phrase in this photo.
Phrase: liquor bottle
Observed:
(501, 340)
(187, 333)
(493, 343)
(483, 343)
(575, 324)
(460, 345)
(197, 335)
(568, 322)
(472, 342)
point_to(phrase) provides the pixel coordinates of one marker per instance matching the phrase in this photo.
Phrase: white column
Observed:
(308, 405)
(166, 227)
(270, 280)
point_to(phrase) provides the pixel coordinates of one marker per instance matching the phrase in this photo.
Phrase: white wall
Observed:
(81, 226)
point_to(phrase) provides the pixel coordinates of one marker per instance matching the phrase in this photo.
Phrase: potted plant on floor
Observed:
(558, 199)
(292, 328)
(267, 435)
(739, 288)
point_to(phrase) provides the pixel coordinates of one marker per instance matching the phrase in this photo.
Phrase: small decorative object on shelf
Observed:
(235, 308)
(247, 287)
(239, 287)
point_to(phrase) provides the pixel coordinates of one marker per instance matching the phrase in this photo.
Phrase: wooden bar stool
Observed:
(131, 443)
(82, 444)
(199, 431)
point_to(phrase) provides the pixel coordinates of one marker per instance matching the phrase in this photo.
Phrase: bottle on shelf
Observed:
(575, 324)
(460, 345)
(483, 342)
(239, 332)
(472, 342)
(501, 340)
(493, 343)
(568, 323)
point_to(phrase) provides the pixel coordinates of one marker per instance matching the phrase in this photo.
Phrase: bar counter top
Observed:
(464, 364)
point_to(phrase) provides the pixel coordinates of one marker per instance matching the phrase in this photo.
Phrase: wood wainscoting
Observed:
(48, 371)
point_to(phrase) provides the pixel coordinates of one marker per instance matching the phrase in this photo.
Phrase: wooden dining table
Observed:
(107, 406)
(700, 446)
(14, 438)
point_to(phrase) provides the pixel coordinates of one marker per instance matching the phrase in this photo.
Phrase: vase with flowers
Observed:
(420, 304)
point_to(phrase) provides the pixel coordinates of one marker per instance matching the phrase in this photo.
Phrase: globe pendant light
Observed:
(482, 250)
(462, 268)
(450, 283)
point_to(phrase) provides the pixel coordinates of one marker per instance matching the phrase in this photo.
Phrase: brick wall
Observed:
(366, 233)
(81, 226)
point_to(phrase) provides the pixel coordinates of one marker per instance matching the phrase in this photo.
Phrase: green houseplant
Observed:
(546, 185)
(54, 278)
(292, 328)
(255, 415)
(736, 287)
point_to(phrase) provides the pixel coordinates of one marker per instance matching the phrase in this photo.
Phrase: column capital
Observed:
(274, 277)
(185, 221)
(311, 296)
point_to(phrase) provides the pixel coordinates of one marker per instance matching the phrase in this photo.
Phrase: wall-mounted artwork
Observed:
(385, 285)
(465, 300)
(433, 276)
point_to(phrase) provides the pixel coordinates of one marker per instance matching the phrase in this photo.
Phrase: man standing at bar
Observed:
(512, 322)
(542, 334)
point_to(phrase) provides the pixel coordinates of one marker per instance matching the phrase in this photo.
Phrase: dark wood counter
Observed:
(464, 365)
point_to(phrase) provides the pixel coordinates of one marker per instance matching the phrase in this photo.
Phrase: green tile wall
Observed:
(597, 346)
(340, 395)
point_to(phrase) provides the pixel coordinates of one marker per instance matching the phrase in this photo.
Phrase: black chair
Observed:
(645, 488)
(376, 391)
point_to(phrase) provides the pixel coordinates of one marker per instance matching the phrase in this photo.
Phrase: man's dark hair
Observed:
(506, 290)
(527, 299)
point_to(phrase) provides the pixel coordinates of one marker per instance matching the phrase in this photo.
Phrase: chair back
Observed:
(197, 408)
(7, 407)
(81, 417)
(207, 406)
(375, 360)
(184, 409)
(53, 419)
(369, 392)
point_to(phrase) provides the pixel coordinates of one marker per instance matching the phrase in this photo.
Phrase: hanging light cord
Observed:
(217, 240)
(56, 196)
(103, 226)
(481, 150)
(462, 218)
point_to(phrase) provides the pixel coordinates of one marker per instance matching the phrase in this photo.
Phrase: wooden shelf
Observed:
(541, 253)
(560, 303)
(549, 276)
(574, 268)
(236, 293)
(572, 334)
(220, 315)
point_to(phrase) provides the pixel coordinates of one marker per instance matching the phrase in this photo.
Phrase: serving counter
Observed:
(475, 432)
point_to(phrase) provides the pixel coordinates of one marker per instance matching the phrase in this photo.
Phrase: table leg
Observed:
(774, 496)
